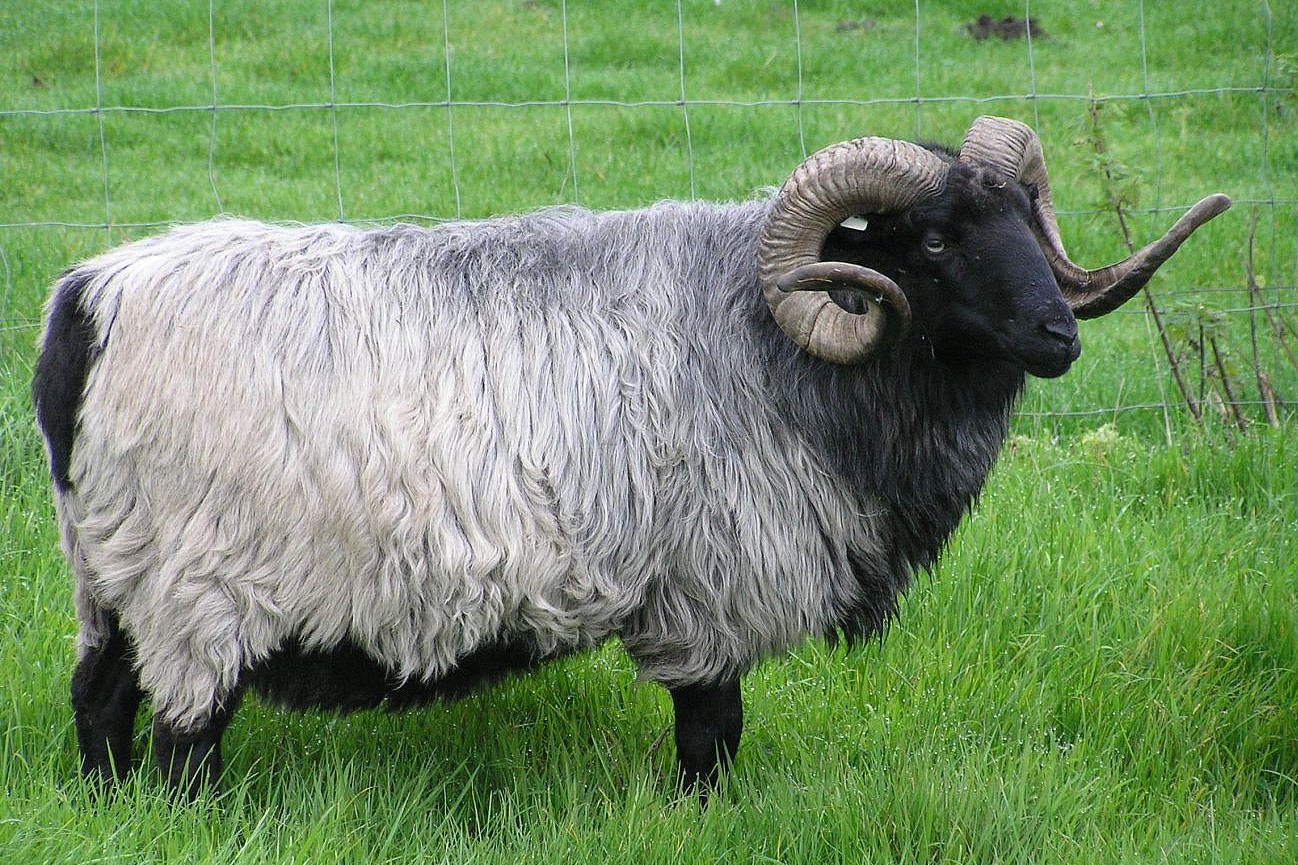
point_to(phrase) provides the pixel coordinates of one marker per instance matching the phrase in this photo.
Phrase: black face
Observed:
(978, 284)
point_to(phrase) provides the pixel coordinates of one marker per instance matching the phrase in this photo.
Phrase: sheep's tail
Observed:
(68, 347)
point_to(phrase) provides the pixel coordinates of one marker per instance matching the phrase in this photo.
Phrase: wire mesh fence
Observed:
(515, 105)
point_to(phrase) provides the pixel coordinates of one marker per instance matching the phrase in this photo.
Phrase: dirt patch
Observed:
(846, 25)
(1006, 29)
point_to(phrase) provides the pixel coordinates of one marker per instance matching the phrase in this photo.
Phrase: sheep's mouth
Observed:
(1054, 361)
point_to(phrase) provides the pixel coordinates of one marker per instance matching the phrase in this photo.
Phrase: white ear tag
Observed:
(856, 223)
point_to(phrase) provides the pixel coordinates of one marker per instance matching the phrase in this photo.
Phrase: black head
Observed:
(979, 286)
(962, 252)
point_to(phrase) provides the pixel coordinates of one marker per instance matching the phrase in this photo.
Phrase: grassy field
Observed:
(1103, 668)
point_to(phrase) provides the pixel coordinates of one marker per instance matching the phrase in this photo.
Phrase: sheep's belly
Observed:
(345, 678)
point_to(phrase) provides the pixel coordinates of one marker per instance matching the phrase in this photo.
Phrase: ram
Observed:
(349, 468)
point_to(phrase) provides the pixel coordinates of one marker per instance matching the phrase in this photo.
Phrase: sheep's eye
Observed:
(935, 246)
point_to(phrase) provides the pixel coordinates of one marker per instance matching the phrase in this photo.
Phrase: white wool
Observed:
(546, 429)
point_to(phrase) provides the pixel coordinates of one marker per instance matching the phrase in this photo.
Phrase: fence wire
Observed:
(1270, 90)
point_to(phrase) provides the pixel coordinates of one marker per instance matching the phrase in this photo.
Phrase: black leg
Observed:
(105, 696)
(709, 721)
(191, 760)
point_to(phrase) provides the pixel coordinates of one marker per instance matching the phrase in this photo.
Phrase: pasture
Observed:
(1104, 665)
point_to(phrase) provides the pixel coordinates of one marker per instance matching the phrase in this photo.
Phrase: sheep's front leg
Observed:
(709, 721)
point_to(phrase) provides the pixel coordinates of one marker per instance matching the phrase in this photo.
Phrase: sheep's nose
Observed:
(1062, 329)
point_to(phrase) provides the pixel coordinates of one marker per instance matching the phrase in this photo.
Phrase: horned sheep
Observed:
(348, 467)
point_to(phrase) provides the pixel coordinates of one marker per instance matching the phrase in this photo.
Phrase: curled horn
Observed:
(864, 176)
(1014, 149)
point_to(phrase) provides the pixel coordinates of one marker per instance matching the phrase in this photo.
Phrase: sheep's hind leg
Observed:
(709, 722)
(105, 696)
(190, 759)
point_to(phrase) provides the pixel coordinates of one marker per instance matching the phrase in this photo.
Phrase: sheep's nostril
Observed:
(1064, 330)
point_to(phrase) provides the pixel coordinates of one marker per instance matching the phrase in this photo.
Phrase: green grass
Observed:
(1103, 668)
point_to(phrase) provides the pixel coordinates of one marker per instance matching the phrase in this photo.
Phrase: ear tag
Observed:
(855, 223)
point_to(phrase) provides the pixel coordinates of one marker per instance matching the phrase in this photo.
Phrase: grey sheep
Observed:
(349, 468)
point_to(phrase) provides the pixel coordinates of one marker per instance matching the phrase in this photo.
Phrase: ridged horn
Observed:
(863, 176)
(1014, 149)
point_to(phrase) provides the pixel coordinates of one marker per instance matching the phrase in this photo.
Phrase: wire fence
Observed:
(1266, 288)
